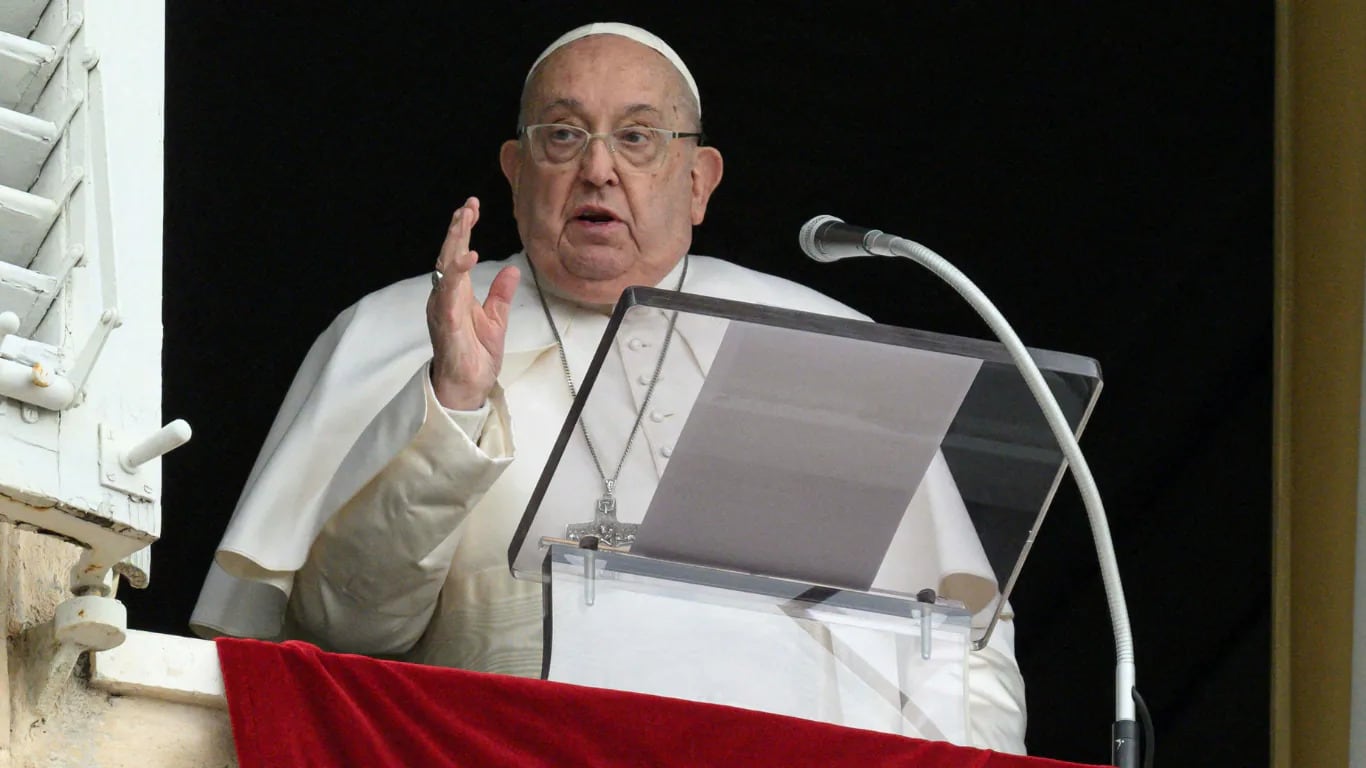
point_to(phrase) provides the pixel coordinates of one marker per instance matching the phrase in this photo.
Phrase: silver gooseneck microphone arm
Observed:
(826, 238)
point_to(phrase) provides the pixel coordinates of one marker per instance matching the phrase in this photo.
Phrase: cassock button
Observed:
(635, 345)
(656, 416)
(666, 451)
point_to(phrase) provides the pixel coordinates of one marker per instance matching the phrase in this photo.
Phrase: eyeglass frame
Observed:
(609, 140)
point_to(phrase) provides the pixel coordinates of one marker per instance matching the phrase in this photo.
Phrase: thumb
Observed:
(501, 291)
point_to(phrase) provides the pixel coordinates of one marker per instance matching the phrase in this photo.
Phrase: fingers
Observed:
(455, 255)
(467, 338)
(472, 204)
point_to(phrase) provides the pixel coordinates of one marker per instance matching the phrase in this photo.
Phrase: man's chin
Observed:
(596, 264)
(595, 279)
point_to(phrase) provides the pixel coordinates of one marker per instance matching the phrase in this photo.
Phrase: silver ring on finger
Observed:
(436, 279)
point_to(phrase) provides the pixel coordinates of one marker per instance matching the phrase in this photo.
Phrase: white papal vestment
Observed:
(373, 523)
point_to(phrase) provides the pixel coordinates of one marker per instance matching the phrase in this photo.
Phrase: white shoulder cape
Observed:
(342, 421)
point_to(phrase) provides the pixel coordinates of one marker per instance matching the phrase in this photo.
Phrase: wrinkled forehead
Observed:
(606, 71)
(630, 32)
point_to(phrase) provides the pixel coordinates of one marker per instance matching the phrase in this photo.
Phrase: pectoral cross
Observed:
(605, 525)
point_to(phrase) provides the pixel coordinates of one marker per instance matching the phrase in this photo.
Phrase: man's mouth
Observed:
(593, 215)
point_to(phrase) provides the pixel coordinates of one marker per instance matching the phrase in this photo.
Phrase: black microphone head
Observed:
(808, 240)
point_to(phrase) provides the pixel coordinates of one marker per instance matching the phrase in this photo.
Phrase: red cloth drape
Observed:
(292, 704)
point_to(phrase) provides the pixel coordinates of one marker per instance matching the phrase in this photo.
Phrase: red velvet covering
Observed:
(294, 705)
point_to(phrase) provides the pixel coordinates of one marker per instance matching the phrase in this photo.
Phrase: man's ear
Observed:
(706, 174)
(510, 160)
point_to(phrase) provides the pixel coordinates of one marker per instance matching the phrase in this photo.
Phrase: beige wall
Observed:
(1321, 241)
(82, 727)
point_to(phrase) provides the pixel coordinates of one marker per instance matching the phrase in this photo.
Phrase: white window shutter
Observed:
(81, 126)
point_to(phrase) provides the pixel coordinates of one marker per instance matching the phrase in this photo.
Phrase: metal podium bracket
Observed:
(589, 545)
(928, 597)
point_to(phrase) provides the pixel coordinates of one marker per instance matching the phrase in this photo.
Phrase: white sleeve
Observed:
(469, 422)
(374, 572)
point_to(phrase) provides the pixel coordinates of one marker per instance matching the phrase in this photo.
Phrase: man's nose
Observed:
(597, 166)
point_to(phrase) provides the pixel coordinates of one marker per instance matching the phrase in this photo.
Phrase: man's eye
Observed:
(634, 136)
(562, 135)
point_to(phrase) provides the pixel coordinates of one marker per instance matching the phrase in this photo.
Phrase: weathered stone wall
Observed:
(66, 722)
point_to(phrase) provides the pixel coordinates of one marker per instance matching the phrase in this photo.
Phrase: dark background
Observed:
(1102, 171)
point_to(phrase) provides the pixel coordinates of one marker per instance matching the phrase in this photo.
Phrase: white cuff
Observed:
(469, 422)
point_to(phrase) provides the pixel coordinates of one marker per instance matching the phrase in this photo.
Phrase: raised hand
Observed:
(467, 337)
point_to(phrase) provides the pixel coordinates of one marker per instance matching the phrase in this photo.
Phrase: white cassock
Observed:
(373, 523)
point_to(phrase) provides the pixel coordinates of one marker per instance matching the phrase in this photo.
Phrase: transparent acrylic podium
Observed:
(819, 517)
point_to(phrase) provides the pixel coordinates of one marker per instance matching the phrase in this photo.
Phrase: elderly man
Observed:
(378, 516)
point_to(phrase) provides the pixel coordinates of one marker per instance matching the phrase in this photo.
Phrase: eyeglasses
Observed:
(640, 148)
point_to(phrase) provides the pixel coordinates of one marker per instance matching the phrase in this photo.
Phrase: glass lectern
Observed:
(836, 517)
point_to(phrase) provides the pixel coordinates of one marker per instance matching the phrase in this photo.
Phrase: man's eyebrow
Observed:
(574, 105)
(636, 109)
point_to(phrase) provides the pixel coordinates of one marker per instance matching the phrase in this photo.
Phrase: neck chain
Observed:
(607, 504)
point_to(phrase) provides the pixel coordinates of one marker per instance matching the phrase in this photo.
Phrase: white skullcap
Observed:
(630, 32)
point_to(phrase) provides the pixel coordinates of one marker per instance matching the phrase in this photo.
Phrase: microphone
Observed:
(826, 239)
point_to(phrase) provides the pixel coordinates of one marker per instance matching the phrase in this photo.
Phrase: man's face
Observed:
(594, 226)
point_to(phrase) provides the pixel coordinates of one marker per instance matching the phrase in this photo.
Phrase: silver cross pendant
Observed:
(605, 525)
